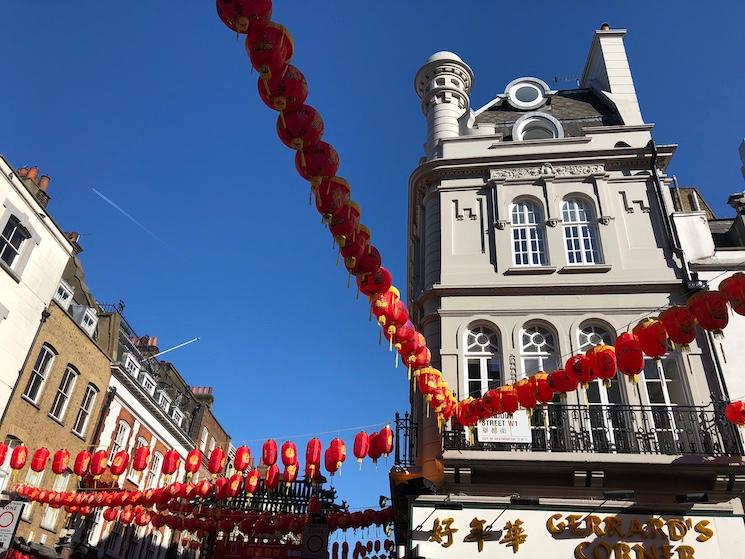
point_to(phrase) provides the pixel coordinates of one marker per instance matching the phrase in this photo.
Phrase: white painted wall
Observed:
(23, 298)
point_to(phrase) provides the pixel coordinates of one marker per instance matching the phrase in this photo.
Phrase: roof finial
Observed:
(604, 27)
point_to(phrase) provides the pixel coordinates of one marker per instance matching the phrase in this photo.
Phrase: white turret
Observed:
(443, 84)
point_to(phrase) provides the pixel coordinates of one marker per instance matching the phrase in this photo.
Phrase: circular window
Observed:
(527, 93)
(537, 126)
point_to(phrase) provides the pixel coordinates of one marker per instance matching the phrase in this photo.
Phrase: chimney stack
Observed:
(44, 182)
(36, 186)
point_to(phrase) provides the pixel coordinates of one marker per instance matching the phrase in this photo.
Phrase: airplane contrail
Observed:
(127, 215)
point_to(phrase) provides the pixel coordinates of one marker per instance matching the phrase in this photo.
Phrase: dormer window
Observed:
(148, 384)
(89, 321)
(63, 295)
(131, 365)
(178, 417)
(164, 401)
(527, 93)
(537, 126)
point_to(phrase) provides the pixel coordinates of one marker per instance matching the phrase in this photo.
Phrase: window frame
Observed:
(150, 380)
(532, 232)
(130, 359)
(544, 120)
(162, 396)
(36, 372)
(153, 472)
(487, 357)
(544, 357)
(67, 395)
(67, 290)
(178, 417)
(86, 407)
(125, 430)
(6, 242)
(90, 315)
(581, 231)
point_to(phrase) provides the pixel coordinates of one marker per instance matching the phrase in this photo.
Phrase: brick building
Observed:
(206, 430)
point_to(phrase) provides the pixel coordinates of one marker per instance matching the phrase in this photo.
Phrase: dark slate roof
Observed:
(720, 232)
(574, 108)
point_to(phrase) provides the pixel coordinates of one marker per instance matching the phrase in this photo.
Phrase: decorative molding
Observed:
(513, 367)
(547, 170)
(460, 214)
(643, 206)
(501, 224)
(606, 219)
(553, 222)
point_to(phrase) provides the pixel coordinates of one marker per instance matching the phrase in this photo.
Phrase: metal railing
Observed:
(405, 441)
(621, 429)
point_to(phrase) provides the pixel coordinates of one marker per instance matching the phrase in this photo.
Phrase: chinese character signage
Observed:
(504, 532)
(504, 428)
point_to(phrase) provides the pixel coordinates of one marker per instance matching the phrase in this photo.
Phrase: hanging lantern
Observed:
(119, 463)
(679, 325)
(239, 15)
(316, 161)
(289, 453)
(234, 485)
(269, 452)
(126, 516)
(171, 461)
(367, 264)
(252, 481)
(386, 440)
(313, 456)
(629, 355)
(18, 457)
(526, 395)
(141, 459)
(510, 401)
(285, 90)
(216, 463)
(563, 381)
(60, 461)
(290, 473)
(735, 412)
(192, 462)
(427, 380)
(382, 305)
(733, 288)
(710, 310)
(355, 248)
(111, 514)
(300, 127)
(493, 401)
(603, 362)
(331, 194)
(204, 489)
(544, 392)
(39, 459)
(99, 461)
(652, 337)
(312, 472)
(330, 462)
(3, 452)
(143, 518)
(242, 459)
(158, 521)
(173, 490)
(188, 491)
(269, 47)
(580, 366)
(343, 226)
(338, 451)
(361, 446)
(376, 283)
(271, 480)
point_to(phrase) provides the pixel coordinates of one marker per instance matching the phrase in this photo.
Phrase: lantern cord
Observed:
(332, 432)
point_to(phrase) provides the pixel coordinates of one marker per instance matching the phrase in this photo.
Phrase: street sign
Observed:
(315, 541)
(10, 514)
(504, 428)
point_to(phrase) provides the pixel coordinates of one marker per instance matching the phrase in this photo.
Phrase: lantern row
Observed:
(143, 509)
(367, 550)
(283, 87)
(97, 463)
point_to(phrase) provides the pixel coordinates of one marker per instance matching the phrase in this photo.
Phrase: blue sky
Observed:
(155, 106)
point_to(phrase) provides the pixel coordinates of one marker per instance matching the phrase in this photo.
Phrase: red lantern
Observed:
(289, 453)
(119, 463)
(493, 401)
(111, 514)
(544, 392)
(652, 337)
(386, 440)
(331, 194)
(242, 459)
(60, 461)
(313, 456)
(603, 362)
(735, 412)
(376, 283)
(580, 366)
(158, 521)
(563, 381)
(361, 446)
(428, 379)
(126, 516)
(18, 457)
(316, 161)
(338, 451)
(269, 452)
(39, 459)
(192, 462)
(290, 473)
(141, 459)
(188, 491)
(629, 355)
(330, 462)
(252, 481)
(368, 263)
(269, 47)
(300, 127)
(710, 310)
(3, 452)
(509, 399)
(234, 485)
(733, 289)
(271, 481)
(679, 325)
(171, 461)
(99, 461)
(376, 448)
(239, 15)
(343, 226)
(354, 248)
(216, 462)
(526, 396)
(286, 90)
(204, 489)
(174, 490)
(143, 518)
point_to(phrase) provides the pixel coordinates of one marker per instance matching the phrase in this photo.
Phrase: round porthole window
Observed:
(537, 126)
(527, 93)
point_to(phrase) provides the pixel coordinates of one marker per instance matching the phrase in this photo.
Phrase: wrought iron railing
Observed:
(405, 441)
(620, 429)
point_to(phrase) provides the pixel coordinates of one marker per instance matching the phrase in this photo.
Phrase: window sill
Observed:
(78, 435)
(586, 269)
(529, 270)
(29, 401)
(55, 419)
(10, 271)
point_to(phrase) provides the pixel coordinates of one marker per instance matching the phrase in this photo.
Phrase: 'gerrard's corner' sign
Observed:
(499, 532)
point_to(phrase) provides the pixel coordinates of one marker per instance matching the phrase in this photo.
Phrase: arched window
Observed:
(538, 350)
(580, 232)
(591, 335)
(121, 437)
(39, 373)
(154, 472)
(483, 360)
(12, 238)
(11, 442)
(64, 391)
(528, 234)
(599, 392)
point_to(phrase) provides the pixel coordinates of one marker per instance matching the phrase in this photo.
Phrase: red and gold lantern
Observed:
(216, 463)
(204, 489)
(361, 446)
(509, 399)
(60, 461)
(242, 459)
(269, 452)
(493, 401)
(526, 396)
(171, 461)
(40, 459)
(192, 462)
(563, 381)
(143, 518)
(252, 481)
(343, 226)
(580, 366)
(234, 485)
(316, 161)
(271, 481)
(119, 463)
(289, 453)
(269, 47)
(427, 379)
(680, 325)
(544, 392)
(733, 288)
(82, 463)
(338, 451)
(141, 459)
(18, 457)
(603, 362)
(240, 15)
(710, 310)
(285, 90)
(99, 461)
(735, 412)
(629, 355)
(126, 516)
(330, 462)
(376, 283)
(652, 337)
(313, 456)
(386, 440)
(290, 473)
(111, 514)
(300, 127)
(331, 194)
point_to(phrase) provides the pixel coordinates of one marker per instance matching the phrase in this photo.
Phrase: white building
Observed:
(33, 254)
(539, 226)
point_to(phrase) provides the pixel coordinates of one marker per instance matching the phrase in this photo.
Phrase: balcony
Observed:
(619, 429)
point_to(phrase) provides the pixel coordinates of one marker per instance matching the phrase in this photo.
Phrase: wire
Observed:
(317, 433)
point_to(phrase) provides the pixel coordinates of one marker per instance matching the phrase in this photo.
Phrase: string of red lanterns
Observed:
(384, 548)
